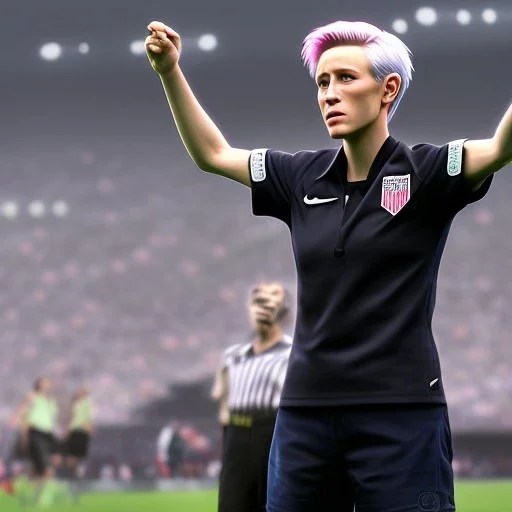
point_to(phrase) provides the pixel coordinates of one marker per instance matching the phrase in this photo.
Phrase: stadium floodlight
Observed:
(83, 48)
(138, 47)
(60, 208)
(489, 16)
(463, 17)
(426, 16)
(10, 209)
(36, 209)
(50, 51)
(400, 26)
(207, 42)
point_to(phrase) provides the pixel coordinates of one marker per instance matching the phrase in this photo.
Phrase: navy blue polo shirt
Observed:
(367, 259)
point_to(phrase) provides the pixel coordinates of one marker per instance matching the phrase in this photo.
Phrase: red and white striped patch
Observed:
(396, 191)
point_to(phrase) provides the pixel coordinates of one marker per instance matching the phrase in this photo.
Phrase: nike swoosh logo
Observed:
(315, 200)
(433, 382)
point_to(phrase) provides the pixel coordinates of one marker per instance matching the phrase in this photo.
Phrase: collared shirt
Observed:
(366, 267)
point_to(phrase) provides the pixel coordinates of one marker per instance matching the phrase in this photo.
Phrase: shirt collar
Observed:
(248, 351)
(381, 158)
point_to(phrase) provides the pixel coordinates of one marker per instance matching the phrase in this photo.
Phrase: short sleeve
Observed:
(272, 183)
(442, 168)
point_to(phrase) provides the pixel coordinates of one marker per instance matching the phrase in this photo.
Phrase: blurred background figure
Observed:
(125, 473)
(171, 450)
(252, 375)
(78, 434)
(38, 415)
(80, 429)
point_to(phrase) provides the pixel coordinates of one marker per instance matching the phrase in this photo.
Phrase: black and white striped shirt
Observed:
(255, 381)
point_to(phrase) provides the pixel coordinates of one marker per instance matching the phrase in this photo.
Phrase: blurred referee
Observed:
(254, 374)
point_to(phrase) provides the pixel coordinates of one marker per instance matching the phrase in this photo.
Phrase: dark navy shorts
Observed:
(369, 459)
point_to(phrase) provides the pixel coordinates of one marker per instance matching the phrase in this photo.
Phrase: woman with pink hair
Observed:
(363, 421)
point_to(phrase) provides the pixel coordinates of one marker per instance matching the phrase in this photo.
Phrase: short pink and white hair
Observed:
(386, 53)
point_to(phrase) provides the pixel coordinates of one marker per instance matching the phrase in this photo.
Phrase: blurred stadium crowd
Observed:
(132, 290)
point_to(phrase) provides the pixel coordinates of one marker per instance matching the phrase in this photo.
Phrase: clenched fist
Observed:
(163, 47)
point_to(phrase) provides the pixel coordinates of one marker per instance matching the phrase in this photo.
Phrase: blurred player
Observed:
(38, 415)
(79, 433)
(171, 450)
(252, 378)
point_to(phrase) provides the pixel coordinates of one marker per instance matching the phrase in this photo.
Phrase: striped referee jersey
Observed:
(255, 381)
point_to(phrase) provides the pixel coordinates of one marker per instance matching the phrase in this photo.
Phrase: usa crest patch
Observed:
(257, 164)
(396, 191)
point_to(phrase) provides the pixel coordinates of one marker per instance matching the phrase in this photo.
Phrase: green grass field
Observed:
(471, 497)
